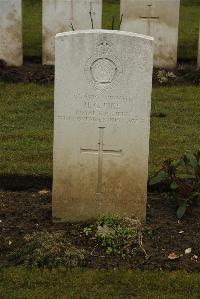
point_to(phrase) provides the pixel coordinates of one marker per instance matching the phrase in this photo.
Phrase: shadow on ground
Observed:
(20, 183)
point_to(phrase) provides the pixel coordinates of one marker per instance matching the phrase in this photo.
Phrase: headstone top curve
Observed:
(104, 31)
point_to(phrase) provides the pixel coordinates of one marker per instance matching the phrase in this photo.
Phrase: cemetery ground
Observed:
(25, 211)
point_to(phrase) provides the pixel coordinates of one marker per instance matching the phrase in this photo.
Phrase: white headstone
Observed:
(102, 120)
(66, 15)
(11, 32)
(198, 57)
(157, 18)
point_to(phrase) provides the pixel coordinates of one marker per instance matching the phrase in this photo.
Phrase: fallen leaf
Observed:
(173, 256)
(43, 192)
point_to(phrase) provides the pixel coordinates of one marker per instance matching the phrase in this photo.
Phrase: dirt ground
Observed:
(26, 212)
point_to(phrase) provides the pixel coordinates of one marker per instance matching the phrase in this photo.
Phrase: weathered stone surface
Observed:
(102, 121)
(163, 26)
(11, 32)
(60, 15)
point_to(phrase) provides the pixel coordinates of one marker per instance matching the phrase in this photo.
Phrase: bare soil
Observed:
(26, 212)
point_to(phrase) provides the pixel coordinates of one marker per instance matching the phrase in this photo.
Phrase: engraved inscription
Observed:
(104, 46)
(113, 109)
(103, 68)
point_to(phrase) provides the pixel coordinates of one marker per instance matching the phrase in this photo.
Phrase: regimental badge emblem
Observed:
(103, 68)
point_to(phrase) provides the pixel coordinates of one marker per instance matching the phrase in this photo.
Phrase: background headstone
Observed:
(102, 124)
(157, 18)
(60, 15)
(11, 32)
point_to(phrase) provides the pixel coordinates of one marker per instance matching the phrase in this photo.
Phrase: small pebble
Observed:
(188, 250)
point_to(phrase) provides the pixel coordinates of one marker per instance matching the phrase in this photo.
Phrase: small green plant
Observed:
(51, 250)
(111, 221)
(87, 230)
(117, 235)
(184, 188)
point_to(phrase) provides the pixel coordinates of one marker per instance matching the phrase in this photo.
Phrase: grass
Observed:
(188, 33)
(18, 283)
(189, 29)
(26, 133)
(27, 127)
(176, 133)
(111, 8)
(32, 29)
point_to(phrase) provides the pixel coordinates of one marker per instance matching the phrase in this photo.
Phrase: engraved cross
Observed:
(149, 18)
(100, 152)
